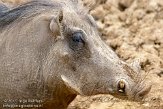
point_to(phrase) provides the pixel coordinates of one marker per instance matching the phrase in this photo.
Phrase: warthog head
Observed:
(84, 63)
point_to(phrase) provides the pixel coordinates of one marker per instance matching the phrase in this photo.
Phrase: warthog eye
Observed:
(121, 86)
(77, 41)
(77, 37)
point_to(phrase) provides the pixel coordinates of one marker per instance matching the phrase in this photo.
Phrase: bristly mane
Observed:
(29, 9)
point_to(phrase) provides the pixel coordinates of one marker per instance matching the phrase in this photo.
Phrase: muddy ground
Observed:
(134, 29)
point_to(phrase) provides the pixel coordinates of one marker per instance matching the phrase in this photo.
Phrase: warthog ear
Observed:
(55, 24)
(71, 85)
(60, 17)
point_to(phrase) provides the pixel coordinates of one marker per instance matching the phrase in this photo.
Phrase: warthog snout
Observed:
(131, 91)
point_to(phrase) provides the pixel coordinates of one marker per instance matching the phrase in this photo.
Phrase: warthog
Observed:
(51, 51)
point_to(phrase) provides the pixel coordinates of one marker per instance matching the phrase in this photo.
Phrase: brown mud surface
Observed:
(134, 29)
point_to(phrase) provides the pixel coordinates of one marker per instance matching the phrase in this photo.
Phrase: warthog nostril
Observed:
(144, 92)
